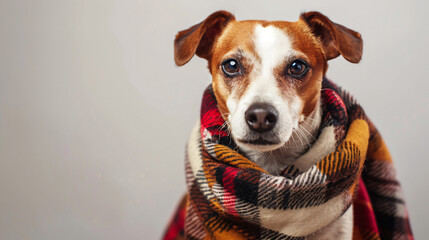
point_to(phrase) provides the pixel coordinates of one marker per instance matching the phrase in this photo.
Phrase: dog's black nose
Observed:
(261, 117)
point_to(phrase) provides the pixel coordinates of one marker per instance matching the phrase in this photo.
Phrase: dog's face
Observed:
(266, 76)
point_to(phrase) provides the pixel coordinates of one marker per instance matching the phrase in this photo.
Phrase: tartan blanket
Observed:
(230, 197)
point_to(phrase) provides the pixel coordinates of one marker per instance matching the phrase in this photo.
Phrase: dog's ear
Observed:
(334, 38)
(199, 38)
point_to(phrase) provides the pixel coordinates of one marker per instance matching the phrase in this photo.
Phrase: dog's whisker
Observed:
(305, 137)
(226, 126)
(293, 139)
(309, 124)
(299, 136)
(311, 119)
(303, 128)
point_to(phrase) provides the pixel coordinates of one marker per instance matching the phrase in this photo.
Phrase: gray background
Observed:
(94, 115)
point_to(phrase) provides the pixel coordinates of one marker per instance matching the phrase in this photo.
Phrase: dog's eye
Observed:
(231, 67)
(298, 68)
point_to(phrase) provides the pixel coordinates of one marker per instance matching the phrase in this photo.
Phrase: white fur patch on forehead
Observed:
(272, 45)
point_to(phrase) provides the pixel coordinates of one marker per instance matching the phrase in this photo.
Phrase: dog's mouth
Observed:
(258, 141)
(259, 144)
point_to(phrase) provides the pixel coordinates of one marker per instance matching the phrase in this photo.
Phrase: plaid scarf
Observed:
(231, 197)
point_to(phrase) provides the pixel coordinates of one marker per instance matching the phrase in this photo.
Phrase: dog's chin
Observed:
(259, 145)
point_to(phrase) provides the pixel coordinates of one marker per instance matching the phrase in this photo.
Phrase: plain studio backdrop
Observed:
(94, 115)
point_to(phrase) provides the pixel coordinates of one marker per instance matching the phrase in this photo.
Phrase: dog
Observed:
(266, 77)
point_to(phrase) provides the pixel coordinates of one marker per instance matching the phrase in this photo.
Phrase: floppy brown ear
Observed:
(335, 38)
(199, 38)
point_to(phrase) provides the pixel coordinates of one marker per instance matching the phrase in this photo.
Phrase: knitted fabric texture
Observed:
(231, 197)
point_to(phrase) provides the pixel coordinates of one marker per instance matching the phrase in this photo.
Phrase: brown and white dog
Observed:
(266, 76)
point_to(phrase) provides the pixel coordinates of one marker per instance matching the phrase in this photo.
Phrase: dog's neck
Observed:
(300, 141)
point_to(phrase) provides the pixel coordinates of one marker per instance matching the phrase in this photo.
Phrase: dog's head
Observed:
(266, 75)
